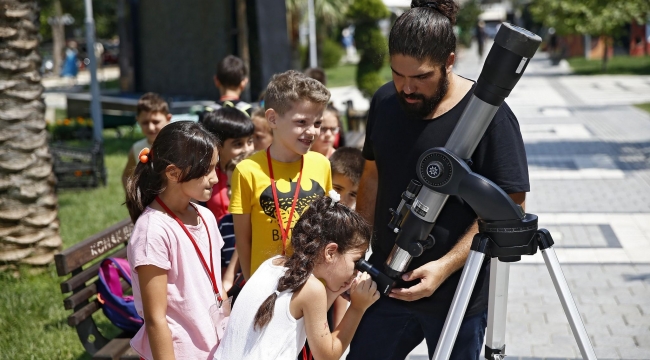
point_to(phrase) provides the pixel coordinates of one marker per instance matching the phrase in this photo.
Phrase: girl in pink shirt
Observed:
(174, 249)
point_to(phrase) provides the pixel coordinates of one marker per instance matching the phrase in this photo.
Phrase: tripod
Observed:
(506, 232)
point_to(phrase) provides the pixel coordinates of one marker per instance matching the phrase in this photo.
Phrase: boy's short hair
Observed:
(348, 162)
(228, 123)
(317, 74)
(151, 102)
(231, 71)
(259, 113)
(290, 86)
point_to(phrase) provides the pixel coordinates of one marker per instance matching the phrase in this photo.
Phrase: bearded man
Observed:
(415, 112)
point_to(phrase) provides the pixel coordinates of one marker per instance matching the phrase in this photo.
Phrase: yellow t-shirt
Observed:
(252, 194)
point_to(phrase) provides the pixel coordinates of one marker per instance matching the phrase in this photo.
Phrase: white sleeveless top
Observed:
(282, 338)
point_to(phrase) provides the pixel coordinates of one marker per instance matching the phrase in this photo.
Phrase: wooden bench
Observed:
(82, 262)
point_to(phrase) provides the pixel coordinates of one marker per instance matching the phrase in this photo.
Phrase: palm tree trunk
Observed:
(29, 227)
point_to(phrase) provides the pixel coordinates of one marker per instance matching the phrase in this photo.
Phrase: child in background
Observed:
(324, 143)
(347, 167)
(152, 114)
(263, 135)
(229, 258)
(287, 300)
(175, 245)
(272, 188)
(235, 130)
(231, 78)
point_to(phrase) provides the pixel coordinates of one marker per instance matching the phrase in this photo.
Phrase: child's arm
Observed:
(128, 169)
(243, 241)
(229, 275)
(313, 300)
(153, 288)
(339, 308)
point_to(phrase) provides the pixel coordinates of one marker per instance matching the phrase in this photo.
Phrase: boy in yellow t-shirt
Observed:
(294, 106)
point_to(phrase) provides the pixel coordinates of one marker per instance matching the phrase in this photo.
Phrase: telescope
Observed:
(506, 231)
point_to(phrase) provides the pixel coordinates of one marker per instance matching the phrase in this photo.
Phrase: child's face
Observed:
(346, 188)
(201, 188)
(262, 137)
(151, 122)
(328, 130)
(296, 129)
(233, 147)
(340, 270)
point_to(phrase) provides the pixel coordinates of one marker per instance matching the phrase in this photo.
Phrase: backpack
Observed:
(239, 105)
(118, 308)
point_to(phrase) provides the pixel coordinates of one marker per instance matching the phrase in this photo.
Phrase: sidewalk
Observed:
(589, 160)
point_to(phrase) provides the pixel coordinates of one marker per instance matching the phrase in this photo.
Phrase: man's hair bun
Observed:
(447, 8)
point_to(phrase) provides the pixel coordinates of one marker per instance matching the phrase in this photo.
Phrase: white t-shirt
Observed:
(282, 338)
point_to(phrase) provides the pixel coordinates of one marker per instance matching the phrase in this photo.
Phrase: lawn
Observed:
(32, 317)
(345, 75)
(617, 65)
(644, 106)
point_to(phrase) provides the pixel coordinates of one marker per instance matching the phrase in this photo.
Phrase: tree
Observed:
(329, 14)
(29, 228)
(370, 43)
(589, 17)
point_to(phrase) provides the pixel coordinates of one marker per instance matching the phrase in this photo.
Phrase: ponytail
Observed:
(184, 144)
(322, 223)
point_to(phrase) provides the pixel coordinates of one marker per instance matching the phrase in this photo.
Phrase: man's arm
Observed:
(434, 273)
(243, 241)
(367, 195)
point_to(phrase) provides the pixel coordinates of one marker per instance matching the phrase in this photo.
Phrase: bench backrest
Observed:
(83, 301)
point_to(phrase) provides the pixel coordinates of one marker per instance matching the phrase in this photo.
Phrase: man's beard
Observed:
(427, 105)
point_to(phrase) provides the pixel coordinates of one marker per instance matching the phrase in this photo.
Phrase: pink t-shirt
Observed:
(158, 240)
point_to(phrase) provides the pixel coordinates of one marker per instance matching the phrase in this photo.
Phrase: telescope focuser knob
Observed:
(417, 248)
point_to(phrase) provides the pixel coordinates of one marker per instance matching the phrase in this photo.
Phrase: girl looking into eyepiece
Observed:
(286, 300)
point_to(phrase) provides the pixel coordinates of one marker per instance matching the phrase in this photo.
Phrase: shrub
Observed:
(331, 53)
(371, 44)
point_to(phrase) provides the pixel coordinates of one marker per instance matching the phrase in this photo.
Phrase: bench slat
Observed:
(77, 317)
(113, 350)
(77, 298)
(92, 247)
(81, 278)
(130, 354)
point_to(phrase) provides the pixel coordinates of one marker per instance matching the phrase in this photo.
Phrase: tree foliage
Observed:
(370, 42)
(594, 17)
(467, 19)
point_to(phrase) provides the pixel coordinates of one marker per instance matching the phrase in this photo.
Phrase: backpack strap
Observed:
(112, 274)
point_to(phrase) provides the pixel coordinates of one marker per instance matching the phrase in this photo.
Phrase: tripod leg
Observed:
(461, 298)
(495, 341)
(569, 305)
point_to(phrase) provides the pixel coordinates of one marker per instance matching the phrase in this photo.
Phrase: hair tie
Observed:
(429, 4)
(144, 155)
(277, 293)
(336, 197)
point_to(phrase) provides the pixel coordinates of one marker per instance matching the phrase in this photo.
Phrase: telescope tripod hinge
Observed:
(495, 354)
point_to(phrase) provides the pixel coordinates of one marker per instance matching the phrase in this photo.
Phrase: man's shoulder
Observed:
(385, 92)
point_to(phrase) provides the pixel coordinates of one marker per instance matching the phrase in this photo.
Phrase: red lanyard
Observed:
(284, 232)
(210, 271)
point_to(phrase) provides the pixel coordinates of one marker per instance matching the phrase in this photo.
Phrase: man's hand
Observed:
(431, 275)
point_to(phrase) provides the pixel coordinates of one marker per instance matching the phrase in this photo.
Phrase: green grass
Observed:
(617, 65)
(345, 75)
(644, 106)
(32, 317)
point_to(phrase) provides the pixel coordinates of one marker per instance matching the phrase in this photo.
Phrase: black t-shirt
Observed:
(395, 141)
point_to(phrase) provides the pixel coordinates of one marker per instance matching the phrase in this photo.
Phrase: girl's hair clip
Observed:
(144, 155)
(336, 197)
(429, 4)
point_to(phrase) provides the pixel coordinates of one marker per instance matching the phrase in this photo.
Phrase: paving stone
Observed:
(606, 352)
(554, 351)
(618, 341)
(641, 353)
